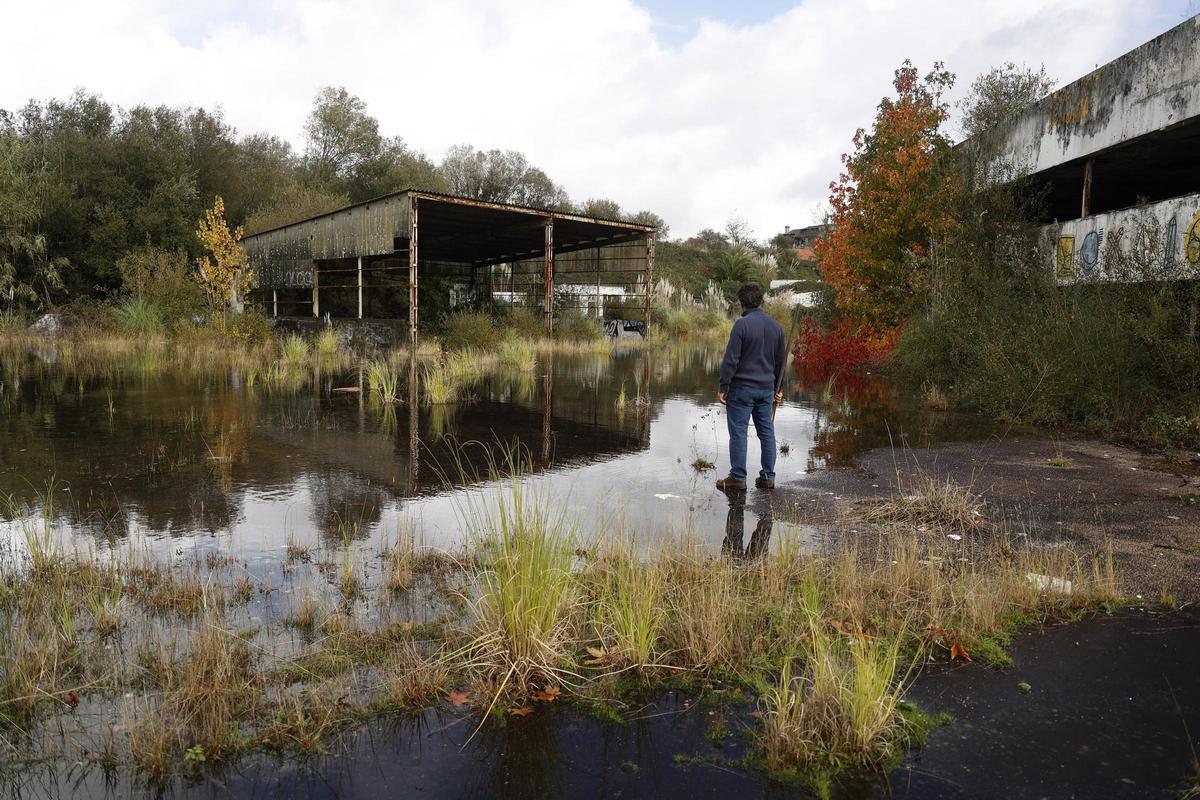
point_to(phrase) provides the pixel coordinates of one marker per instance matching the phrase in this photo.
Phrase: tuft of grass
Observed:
(630, 612)
(518, 354)
(932, 503)
(294, 349)
(382, 381)
(328, 343)
(526, 594)
(137, 316)
(439, 386)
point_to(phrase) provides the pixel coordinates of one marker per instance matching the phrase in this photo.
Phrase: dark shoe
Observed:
(764, 483)
(731, 485)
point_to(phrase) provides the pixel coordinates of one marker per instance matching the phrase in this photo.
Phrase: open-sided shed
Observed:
(396, 240)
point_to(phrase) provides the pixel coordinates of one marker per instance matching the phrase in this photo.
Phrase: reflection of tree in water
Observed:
(124, 445)
(344, 506)
(855, 411)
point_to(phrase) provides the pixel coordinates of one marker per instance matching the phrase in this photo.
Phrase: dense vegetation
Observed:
(89, 193)
(939, 266)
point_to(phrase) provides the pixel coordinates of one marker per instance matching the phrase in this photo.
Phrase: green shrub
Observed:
(575, 326)
(162, 277)
(252, 327)
(523, 322)
(470, 329)
(137, 316)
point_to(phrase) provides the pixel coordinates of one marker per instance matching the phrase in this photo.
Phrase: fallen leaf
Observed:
(459, 699)
(521, 711)
(547, 695)
(71, 699)
(958, 651)
(596, 652)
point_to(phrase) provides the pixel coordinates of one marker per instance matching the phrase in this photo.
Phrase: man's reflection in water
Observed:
(735, 525)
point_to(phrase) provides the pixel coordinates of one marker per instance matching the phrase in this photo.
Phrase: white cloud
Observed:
(738, 119)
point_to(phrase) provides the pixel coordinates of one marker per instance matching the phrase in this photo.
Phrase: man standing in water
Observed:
(750, 373)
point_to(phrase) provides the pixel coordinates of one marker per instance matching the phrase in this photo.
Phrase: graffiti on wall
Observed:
(1131, 245)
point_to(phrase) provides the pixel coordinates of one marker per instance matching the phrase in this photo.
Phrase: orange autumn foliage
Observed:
(888, 205)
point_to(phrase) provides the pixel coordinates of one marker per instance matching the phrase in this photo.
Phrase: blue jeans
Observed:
(742, 403)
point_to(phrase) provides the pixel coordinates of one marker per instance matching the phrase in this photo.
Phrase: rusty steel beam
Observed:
(649, 278)
(1087, 188)
(558, 215)
(548, 276)
(413, 260)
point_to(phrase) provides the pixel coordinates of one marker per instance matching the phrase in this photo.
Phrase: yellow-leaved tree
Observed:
(225, 272)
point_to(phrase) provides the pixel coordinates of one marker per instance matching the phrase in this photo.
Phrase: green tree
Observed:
(500, 177)
(341, 136)
(1000, 94)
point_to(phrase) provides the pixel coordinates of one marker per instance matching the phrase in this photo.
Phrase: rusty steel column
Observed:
(412, 276)
(316, 303)
(414, 419)
(649, 277)
(1087, 188)
(548, 276)
(360, 287)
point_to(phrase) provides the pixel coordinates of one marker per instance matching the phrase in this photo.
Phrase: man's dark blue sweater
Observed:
(756, 354)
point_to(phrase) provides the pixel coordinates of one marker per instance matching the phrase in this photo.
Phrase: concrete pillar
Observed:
(275, 302)
(316, 304)
(360, 287)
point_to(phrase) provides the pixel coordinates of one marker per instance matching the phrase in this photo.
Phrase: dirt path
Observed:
(1085, 491)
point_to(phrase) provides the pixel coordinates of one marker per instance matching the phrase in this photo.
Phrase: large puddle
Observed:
(128, 455)
(184, 460)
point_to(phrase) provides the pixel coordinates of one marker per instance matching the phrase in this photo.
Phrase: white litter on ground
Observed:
(1060, 585)
(668, 496)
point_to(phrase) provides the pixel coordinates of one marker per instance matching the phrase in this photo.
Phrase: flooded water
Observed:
(196, 459)
(186, 462)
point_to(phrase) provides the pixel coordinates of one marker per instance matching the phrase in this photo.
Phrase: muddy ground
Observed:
(1083, 491)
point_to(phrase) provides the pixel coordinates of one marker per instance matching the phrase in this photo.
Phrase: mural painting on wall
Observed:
(1143, 244)
(1066, 258)
(1191, 247)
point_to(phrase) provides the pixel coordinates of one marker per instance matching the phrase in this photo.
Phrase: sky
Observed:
(700, 111)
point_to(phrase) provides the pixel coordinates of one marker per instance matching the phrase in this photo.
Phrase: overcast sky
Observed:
(698, 110)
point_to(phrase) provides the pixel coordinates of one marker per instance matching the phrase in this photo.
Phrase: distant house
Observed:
(803, 240)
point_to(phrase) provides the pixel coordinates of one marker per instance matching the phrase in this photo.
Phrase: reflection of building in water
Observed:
(557, 419)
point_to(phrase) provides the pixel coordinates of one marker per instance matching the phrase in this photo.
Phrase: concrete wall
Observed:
(284, 257)
(1150, 88)
(1160, 241)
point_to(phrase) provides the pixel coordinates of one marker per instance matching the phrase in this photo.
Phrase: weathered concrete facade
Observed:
(1117, 154)
(1147, 90)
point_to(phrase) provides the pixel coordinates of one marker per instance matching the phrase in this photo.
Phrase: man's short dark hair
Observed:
(750, 295)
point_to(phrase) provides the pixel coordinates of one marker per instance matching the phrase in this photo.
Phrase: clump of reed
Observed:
(518, 354)
(383, 382)
(328, 344)
(526, 598)
(438, 385)
(294, 349)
